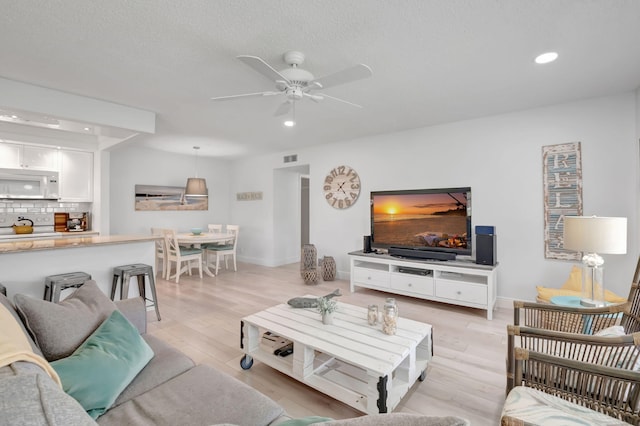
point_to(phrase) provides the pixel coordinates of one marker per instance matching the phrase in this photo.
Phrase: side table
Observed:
(574, 302)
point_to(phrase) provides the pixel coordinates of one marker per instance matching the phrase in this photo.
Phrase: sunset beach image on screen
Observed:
(430, 219)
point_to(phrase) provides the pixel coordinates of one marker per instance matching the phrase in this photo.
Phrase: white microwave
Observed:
(18, 184)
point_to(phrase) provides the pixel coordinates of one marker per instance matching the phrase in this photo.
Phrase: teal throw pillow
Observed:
(104, 365)
(304, 421)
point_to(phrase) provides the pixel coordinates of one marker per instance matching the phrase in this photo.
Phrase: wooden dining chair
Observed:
(215, 228)
(161, 249)
(225, 250)
(179, 255)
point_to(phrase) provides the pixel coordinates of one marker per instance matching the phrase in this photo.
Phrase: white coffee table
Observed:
(349, 360)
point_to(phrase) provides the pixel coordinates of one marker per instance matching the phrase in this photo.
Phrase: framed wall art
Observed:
(562, 181)
(154, 197)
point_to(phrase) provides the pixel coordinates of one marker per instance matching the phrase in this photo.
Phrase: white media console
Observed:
(457, 282)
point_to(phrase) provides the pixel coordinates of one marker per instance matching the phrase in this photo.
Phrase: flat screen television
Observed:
(435, 220)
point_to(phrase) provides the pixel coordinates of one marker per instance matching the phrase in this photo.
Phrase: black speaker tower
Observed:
(486, 245)
(366, 244)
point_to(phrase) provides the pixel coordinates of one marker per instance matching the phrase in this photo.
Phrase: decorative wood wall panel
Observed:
(562, 180)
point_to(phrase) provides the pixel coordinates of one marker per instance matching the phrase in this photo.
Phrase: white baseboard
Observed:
(507, 302)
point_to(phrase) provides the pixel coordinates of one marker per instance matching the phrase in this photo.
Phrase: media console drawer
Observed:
(413, 283)
(464, 292)
(371, 276)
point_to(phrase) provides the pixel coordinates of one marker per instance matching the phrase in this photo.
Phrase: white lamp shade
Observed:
(196, 187)
(592, 234)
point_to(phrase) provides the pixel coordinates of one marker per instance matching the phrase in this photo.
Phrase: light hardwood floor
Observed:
(466, 376)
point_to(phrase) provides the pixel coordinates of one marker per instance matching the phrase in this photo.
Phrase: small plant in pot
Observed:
(326, 307)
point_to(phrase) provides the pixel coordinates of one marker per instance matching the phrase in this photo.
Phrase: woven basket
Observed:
(328, 264)
(310, 276)
(308, 258)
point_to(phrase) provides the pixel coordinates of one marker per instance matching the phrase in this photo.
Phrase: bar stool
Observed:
(139, 270)
(54, 284)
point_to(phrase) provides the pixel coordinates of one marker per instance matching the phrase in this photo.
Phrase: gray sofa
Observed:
(169, 390)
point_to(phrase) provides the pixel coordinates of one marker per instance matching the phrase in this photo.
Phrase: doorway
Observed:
(291, 213)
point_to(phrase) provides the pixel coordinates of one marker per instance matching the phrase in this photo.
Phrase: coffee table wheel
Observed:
(246, 362)
(423, 375)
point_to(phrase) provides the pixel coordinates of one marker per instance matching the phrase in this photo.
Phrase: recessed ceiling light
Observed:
(547, 57)
(87, 129)
(289, 123)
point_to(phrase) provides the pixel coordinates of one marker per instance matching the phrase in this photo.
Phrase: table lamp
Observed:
(592, 235)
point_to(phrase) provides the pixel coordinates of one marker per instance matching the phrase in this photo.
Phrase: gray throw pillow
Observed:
(60, 328)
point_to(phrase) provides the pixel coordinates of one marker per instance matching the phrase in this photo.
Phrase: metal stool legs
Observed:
(140, 271)
(54, 284)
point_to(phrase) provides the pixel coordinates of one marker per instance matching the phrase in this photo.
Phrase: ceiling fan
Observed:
(296, 83)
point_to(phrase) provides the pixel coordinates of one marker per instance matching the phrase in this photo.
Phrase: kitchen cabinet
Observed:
(10, 156)
(76, 176)
(18, 156)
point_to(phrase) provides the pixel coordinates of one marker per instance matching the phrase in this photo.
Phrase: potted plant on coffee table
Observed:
(327, 307)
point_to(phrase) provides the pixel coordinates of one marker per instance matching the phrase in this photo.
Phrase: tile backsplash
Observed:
(41, 206)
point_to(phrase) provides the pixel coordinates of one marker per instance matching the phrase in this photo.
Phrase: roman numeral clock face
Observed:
(341, 187)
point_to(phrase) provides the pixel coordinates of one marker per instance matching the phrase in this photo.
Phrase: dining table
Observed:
(196, 240)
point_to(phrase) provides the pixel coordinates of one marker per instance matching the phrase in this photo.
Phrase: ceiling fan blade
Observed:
(245, 95)
(348, 75)
(314, 97)
(263, 68)
(323, 95)
(284, 108)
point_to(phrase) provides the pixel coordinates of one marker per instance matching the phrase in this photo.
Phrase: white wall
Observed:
(500, 157)
(637, 156)
(129, 166)
(255, 218)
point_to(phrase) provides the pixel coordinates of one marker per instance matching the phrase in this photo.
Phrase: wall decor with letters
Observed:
(249, 196)
(562, 181)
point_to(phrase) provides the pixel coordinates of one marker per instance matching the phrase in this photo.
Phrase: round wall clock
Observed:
(341, 187)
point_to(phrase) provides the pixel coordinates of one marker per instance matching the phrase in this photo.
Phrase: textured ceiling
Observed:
(433, 61)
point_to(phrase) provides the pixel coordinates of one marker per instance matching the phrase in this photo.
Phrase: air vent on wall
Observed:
(290, 158)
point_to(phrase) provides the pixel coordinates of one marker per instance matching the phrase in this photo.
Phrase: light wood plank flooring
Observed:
(466, 376)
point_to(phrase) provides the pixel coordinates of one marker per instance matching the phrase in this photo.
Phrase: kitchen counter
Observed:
(25, 263)
(45, 235)
(69, 241)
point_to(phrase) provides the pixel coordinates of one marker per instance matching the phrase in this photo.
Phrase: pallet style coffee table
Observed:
(348, 360)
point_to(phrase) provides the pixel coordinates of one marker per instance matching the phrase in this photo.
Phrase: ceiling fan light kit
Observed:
(296, 83)
(289, 105)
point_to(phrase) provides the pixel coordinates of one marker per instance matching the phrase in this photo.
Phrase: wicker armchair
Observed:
(611, 351)
(614, 392)
(568, 332)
